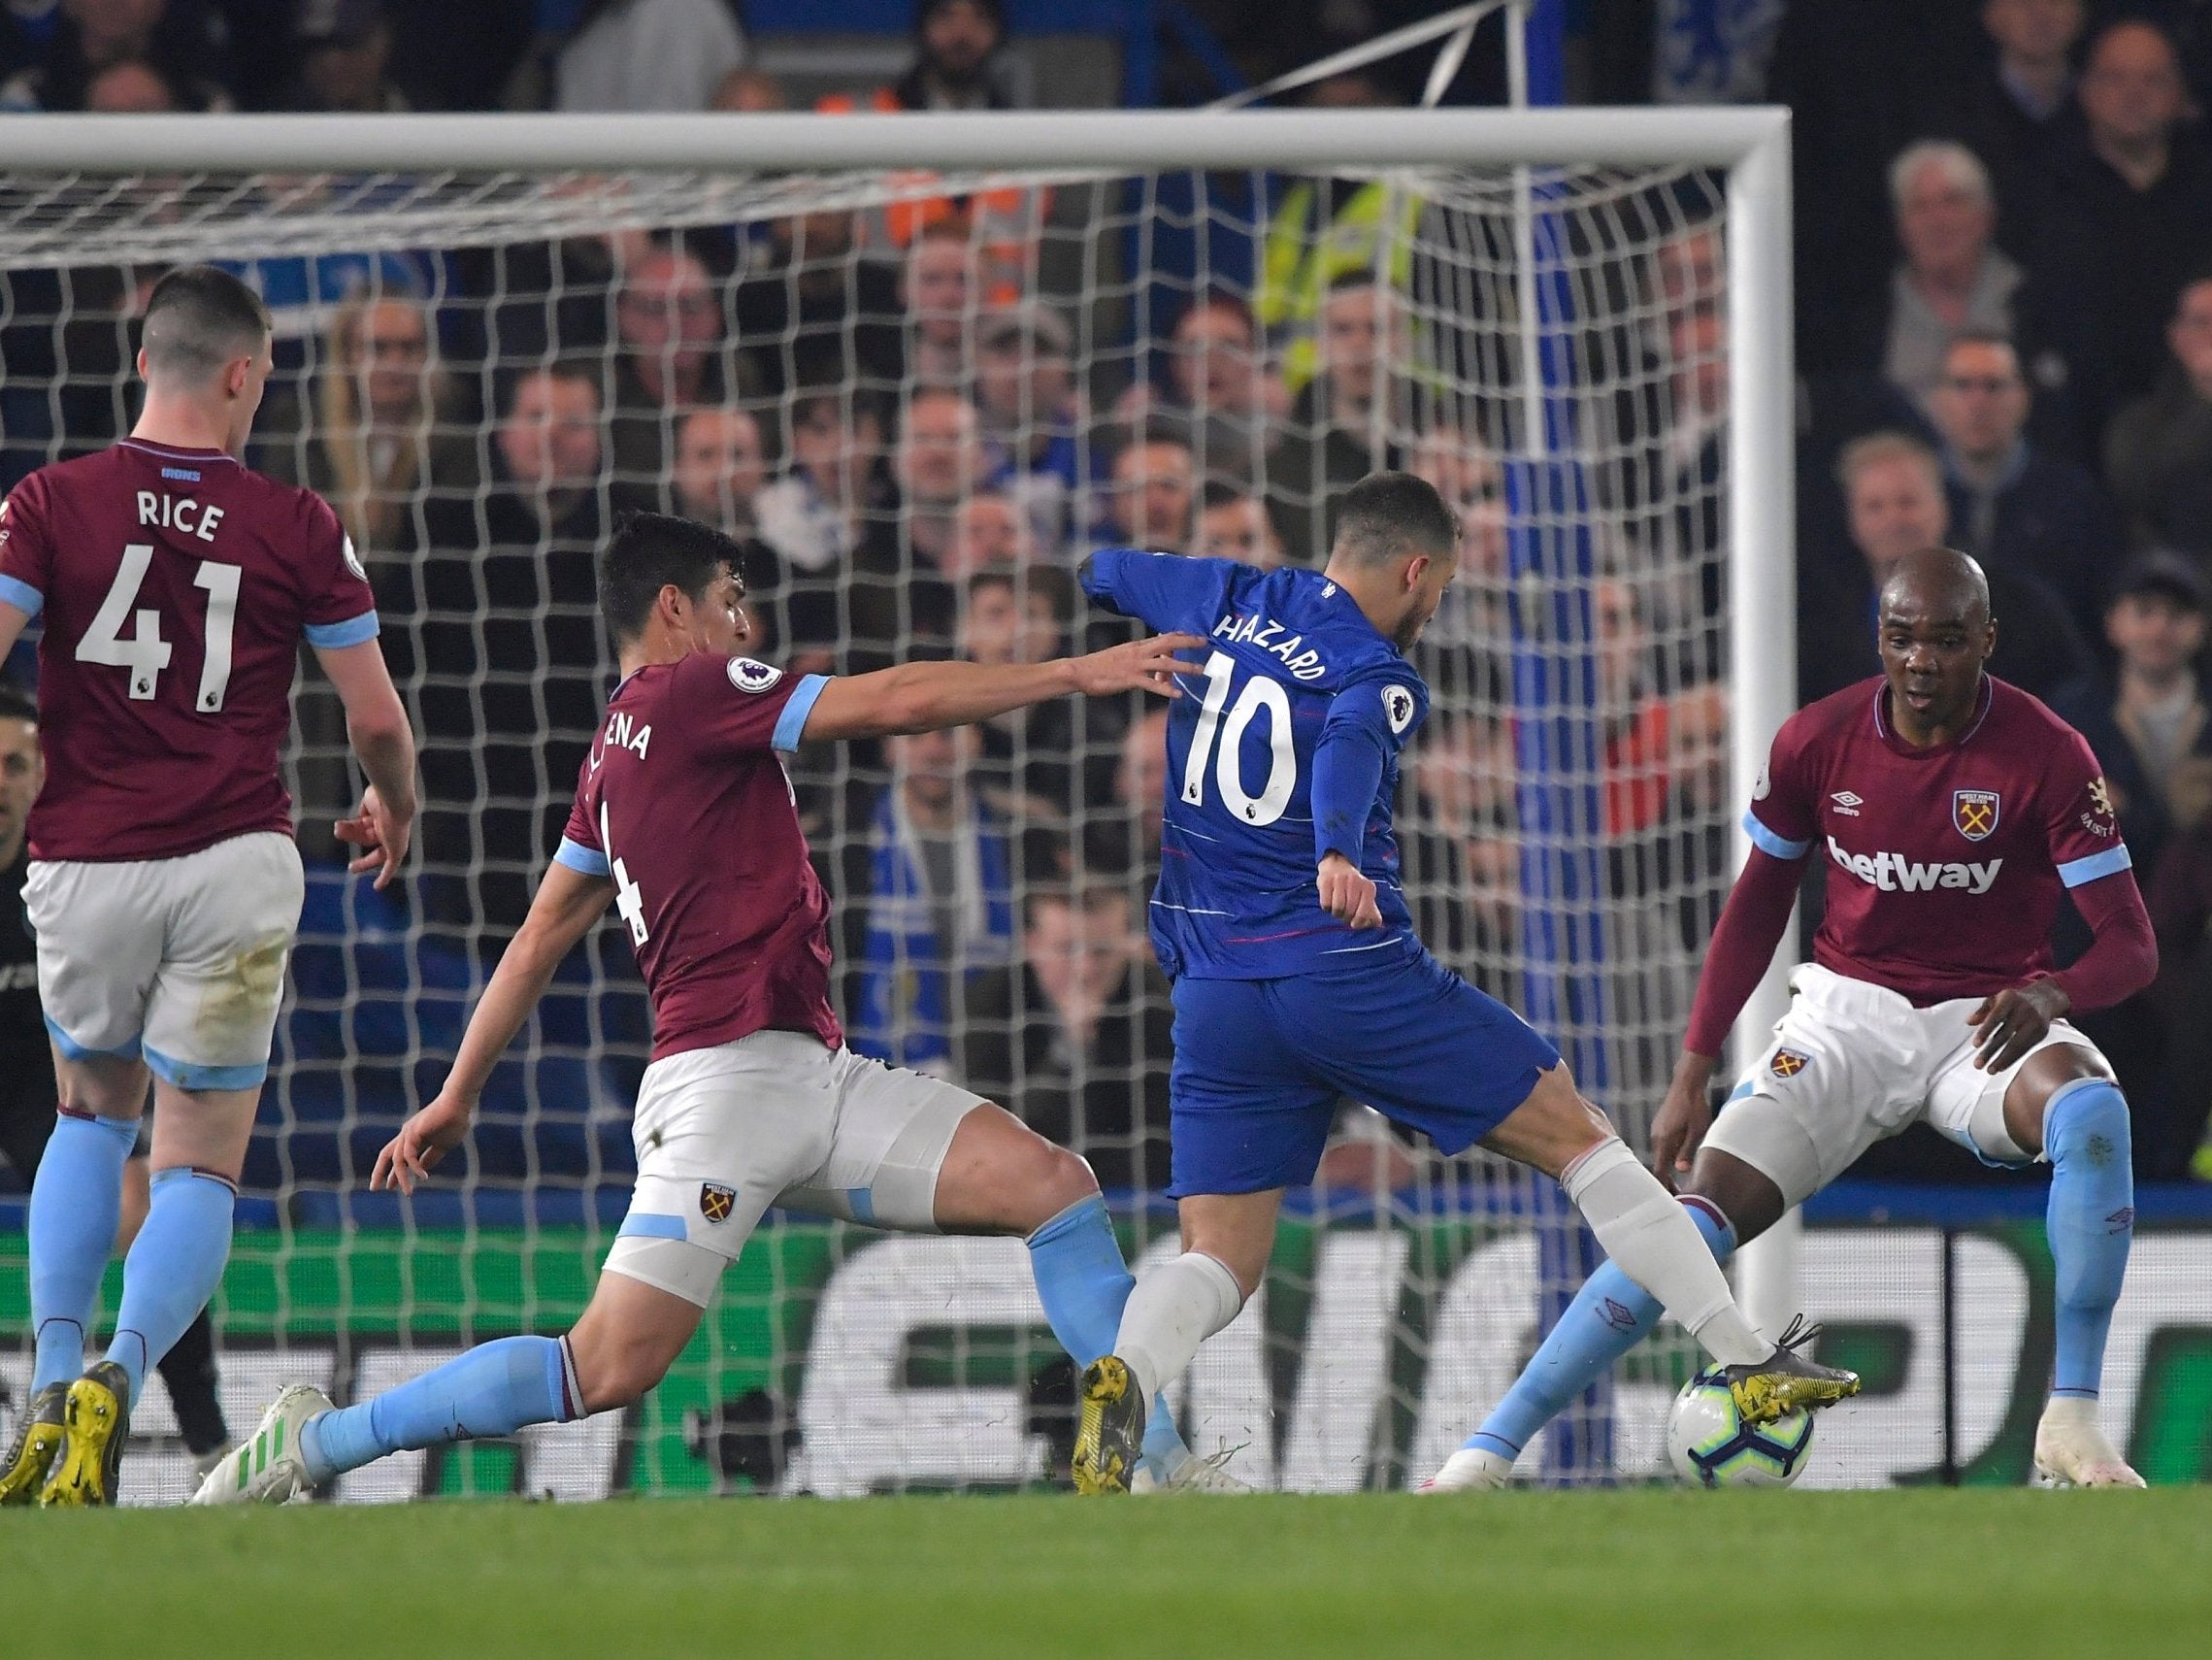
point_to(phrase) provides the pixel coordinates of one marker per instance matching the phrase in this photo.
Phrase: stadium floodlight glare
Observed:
(1668, 376)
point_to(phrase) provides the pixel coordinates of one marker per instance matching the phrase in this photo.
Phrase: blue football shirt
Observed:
(1286, 747)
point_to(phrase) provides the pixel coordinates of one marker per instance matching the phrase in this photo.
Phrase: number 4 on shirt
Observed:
(145, 653)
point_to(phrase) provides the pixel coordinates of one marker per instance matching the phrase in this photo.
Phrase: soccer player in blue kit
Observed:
(1298, 980)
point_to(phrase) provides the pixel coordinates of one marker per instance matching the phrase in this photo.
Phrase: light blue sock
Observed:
(1608, 1316)
(1083, 1284)
(174, 1267)
(494, 1389)
(2090, 1221)
(76, 1197)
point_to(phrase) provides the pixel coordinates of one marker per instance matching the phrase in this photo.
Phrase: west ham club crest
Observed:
(716, 1201)
(1973, 812)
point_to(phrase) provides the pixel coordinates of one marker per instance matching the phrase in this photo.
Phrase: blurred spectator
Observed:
(1139, 786)
(955, 68)
(1465, 470)
(2159, 451)
(2148, 727)
(1893, 490)
(345, 48)
(957, 44)
(177, 44)
(988, 529)
(2012, 506)
(1953, 280)
(939, 465)
(1462, 868)
(1340, 425)
(814, 513)
(1219, 382)
(375, 435)
(1021, 616)
(1660, 750)
(810, 310)
(820, 512)
(131, 86)
(1031, 417)
(668, 319)
(2133, 210)
(1233, 524)
(937, 898)
(717, 475)
(2017, 109)
(750, 92)
(648, 55)
(938, 294)
(513, 661)
(1076, 1040)
(1152, 493)
(1663, 432)
(1320, 231)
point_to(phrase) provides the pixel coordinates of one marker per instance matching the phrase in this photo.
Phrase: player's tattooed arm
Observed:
(568, 902)
(928, 697)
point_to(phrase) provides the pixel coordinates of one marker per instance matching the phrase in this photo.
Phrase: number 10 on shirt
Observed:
(1260, 692)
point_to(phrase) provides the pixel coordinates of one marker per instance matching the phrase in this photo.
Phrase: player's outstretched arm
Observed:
(376, 725)
(926, 697)
(567, 904)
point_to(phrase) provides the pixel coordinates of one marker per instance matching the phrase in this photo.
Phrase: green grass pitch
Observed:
(1638, 1574)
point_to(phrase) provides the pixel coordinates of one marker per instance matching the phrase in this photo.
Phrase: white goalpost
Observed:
(1577, 323)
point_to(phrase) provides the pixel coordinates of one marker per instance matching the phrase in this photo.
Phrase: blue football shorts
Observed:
(1261, 1066)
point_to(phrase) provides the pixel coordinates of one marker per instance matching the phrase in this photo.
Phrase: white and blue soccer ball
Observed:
(1709, 1444)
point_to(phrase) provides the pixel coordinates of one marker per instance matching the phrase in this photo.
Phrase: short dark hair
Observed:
(558, 369)
(649, 552)
(199, 318)
(1025, 582)
(16, 705)
(1223, 492)
(1390, 516)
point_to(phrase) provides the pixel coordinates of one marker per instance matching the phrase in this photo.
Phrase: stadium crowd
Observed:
(918, 418)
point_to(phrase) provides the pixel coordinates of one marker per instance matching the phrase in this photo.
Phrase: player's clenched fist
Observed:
(1348, 893)
(1141, 665)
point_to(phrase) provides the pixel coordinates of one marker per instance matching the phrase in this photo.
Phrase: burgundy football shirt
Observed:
(1944, 865)
(683, 804)
(177, 587)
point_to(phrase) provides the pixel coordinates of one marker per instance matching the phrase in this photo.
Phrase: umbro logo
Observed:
(1847, 803)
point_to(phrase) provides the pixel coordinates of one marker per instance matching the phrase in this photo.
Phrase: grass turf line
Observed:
(1648, 1572)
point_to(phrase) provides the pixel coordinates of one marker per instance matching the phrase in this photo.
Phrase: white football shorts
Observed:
(1853, 1064)
(775, 1117)
(179, 961)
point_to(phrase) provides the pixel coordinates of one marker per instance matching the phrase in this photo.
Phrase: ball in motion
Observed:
(1710, 1444)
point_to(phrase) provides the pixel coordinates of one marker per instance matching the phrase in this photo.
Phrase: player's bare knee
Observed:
(1553, 1127)
(615, 1368)
(1747, 1200)
(2040, 1076)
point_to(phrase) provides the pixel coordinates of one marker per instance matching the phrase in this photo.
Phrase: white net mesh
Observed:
(921, 401)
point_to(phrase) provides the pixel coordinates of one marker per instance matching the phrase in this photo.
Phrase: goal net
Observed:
(920, 396)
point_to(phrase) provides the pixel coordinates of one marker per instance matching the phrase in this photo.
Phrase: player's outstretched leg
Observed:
(621, 1347)
(1658, 1246)
(1608, 1318)
(2091, 1219)
(1175, 1308)
(996, 1174)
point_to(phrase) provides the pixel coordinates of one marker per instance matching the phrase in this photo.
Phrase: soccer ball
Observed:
(1710, 1444)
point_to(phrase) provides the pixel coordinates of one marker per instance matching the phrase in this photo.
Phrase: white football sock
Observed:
(1646, 1230)
(1175, 1308)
